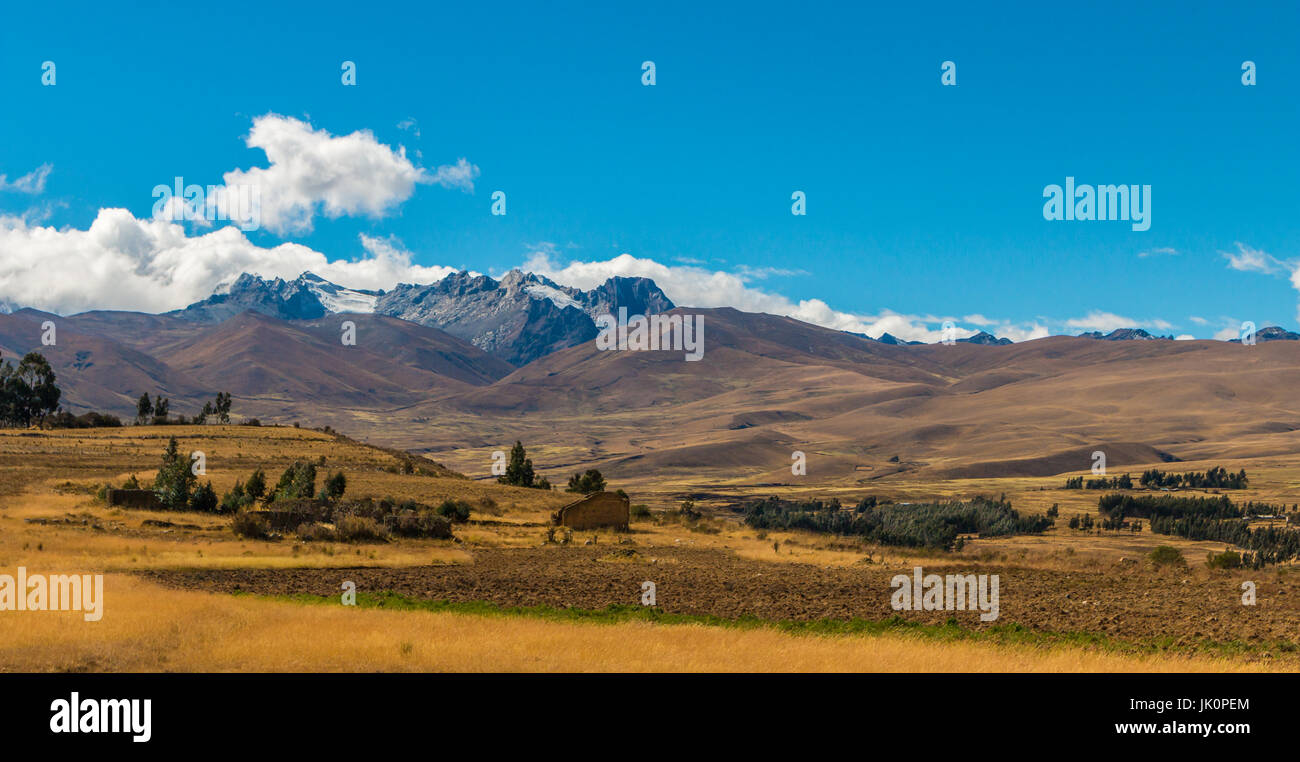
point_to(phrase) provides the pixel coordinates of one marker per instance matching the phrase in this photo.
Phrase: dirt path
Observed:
(1137, 604)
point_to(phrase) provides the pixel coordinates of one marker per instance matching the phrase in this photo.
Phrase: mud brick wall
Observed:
(603, 509)
(133, 498)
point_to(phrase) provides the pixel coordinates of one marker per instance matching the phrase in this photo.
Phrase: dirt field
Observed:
(1134, 604)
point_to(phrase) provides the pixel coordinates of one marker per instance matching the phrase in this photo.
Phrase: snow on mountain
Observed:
(336, 298)
(543, 291)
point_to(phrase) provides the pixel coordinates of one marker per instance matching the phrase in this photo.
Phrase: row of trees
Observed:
(1114, 482)
(157, 411)
(1267, 545)
(520, 473)
(1116, 506)
(928, 525)
(28, 392)
(1215, 478)
(178, 488)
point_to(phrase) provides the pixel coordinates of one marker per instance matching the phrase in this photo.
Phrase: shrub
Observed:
(249, 524)
(1228, 559)
(352, 528)
(314, 531)
(641, 511)
(1165, 555)
(425, 523)
(454, 510)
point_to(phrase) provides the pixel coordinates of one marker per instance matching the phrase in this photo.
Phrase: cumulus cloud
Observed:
(694, 286)
(312, 172)
(1106, 322)
(121, 262)
(32, 183)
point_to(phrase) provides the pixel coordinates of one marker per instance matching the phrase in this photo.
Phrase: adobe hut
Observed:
(133, 498)
(595, 511)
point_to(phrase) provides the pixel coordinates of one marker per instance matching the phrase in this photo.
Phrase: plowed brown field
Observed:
(1134, 604)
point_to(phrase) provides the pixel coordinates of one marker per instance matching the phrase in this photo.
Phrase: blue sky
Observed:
(924, 201)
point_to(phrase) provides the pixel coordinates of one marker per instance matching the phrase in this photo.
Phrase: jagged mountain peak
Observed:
(1123, 334)
(984, 337)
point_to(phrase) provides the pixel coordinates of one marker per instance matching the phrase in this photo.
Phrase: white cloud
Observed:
(312, 172)
(410, 125)
(692, 286)
(1248, 259)
(32, 183)
(1157, 252)
(121, 262)
(459, 175)
(1106, 322)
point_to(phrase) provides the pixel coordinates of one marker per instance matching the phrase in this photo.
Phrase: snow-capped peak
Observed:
(543, 291)
(336, 298)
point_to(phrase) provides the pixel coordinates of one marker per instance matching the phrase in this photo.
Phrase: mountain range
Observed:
(465, 366)
(518, 319)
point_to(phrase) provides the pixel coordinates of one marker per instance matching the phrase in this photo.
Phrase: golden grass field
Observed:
(50, 522)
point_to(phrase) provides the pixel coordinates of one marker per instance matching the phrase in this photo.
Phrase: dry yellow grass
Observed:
(149, 628)
(49, 475)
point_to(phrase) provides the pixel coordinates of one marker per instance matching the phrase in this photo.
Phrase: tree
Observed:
(204, 499)
(335, 485)
(28, 392)
(519, 469)
(222, 407)
(175, 481)
(235, 499)
(143, 409)
(297, 481)
(587, 483)
(204, 414)
(256, 486)
(161, 407)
